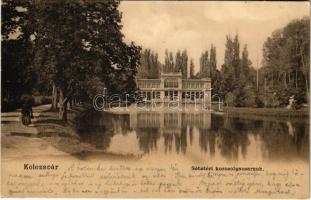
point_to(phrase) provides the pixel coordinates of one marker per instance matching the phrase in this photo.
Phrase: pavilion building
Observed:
(171, 87)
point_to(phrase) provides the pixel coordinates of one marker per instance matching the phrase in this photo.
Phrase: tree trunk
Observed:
(296, 77)
(74, 102)
(71, 103)
(63, 112)
(305, 73)
(307, 87)
(289, 79)
(54, 98)
(62, 106)
(285, 83)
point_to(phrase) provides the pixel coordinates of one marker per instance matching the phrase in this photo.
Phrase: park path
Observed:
(11, 122)
(18, 141)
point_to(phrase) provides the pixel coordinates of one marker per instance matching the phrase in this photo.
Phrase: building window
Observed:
(192, 95)
(188, 95)
(171, 94)
(158, 96)
(175, 93)
(197, 95)
(201, 95)
(148, 95)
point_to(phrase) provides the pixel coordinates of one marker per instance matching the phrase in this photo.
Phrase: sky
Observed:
(196, 25)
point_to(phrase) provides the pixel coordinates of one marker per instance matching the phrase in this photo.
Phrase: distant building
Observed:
(171, 86)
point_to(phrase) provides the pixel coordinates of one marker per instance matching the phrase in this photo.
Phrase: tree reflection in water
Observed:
(181, 140)
(147, 139)
(230, 136)
(207, 141)
(168, 142)
(233, 136)
(286, 141)
(98, 129)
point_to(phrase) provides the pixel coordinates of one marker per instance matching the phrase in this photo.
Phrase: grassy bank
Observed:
(268, 112)
(48, 136)
(63, 135)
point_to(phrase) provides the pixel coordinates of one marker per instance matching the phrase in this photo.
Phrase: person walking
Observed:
(27, 113)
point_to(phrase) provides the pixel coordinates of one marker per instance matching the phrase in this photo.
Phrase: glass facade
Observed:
(172, 87)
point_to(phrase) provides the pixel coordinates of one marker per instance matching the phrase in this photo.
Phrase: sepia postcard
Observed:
(155, 99)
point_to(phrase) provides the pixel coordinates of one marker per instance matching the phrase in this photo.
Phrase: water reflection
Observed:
(195, 134)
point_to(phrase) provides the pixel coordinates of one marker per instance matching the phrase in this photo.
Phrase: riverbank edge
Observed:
(267, 112)
(63, 135)
(231, 111)
(75, 114)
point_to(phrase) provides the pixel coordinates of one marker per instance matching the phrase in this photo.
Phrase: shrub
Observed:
(229, 99)
(271, 100)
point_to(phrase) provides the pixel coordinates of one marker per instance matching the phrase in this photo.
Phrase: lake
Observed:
(196, 137)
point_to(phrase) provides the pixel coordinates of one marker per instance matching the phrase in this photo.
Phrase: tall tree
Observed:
(237, 86)
(184, 65)
(212, 61)
(227, 71)
(245, 91)
(88, 43)
(286, 62)
(155, 70)
(215, 74)
(204, 65)
(12, 19)
(191, 69)
(236, 57)
(169, 65)
(17, 53)
(181, 63)
(150, 67)
(245, 65)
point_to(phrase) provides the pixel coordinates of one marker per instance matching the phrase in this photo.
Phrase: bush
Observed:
(300, 97)
(283, 97)
(26, 98)
(229, 99)
(40, 100)
(46, 100)
(9, 105)
(244, 96)
(259, 101)
(271, 100)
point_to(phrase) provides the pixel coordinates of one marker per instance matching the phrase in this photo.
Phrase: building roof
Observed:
(176, 74)
(199, 79)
